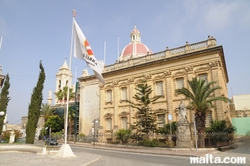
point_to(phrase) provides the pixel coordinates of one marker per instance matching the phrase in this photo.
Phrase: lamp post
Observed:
(93, 130)
(195, 132)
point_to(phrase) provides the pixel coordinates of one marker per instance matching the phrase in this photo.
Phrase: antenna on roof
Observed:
(1, 42)
(118, 49)
(104, 52)
(232, 92)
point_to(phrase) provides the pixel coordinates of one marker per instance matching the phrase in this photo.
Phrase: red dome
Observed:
(135, 48)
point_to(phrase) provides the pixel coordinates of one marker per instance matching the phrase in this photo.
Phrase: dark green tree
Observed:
(201, 96)
(55, 122)
(218, 126)
(145, 116)
(35, 107)
(4, 100)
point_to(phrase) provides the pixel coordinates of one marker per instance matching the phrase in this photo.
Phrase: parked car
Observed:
(3, 141)
(51, 141)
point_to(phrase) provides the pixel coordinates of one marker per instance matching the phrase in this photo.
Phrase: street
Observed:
(115, 158)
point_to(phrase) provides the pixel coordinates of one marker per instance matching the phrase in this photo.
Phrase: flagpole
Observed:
(65, 150)
(70, 61)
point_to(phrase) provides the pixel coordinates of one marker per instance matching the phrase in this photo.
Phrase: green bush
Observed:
(153, 143)
(123, 135)
(166, 129)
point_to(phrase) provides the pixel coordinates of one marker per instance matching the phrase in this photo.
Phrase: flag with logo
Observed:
(82, 50)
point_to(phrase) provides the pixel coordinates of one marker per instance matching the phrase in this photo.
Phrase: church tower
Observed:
(62, 79)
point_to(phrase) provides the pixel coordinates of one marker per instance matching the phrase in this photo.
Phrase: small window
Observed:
(109, 124)
(203, 77)
(179, 83)
(208, 118)
(159, 88)
(109, 96)
(161, 120)
(59, 86)
(124, 121)
(124, 93)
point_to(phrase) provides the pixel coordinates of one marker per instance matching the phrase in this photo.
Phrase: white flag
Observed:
(82, 50)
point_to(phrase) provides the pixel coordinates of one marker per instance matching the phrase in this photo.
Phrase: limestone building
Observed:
(240, 105)
(89, 106)
(165, 71)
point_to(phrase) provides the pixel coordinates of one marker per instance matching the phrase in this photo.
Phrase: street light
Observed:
(93, 130)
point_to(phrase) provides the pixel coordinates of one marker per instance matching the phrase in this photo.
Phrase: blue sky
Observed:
(41, 30)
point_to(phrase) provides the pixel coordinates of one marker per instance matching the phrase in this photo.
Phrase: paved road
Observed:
(124, 158)
(119, 156)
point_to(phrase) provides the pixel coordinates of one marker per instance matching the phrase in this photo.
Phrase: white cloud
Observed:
(3, 27)
(215, 16)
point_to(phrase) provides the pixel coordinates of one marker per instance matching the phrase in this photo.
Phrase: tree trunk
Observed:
(200, 117)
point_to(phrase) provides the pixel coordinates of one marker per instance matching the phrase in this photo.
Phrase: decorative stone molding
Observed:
(215, 64)
(189, 69)
(138, 81)
(159, 77)
(180, 73)
(167, 73)
(160, 111)
(123, 84)
(130, 80)
(114, 83)
(123, 114)
(109, 86)
(108, 115)
(202, 69)
(148, 76)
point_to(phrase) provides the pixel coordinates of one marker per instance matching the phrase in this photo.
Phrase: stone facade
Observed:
(240, 106)
(89, 104)
(164, 71)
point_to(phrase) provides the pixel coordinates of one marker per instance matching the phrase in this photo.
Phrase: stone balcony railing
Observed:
(188, 48)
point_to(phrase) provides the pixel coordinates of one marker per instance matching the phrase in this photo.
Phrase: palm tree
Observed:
(62, 94)
(46, 111)
(201, 96)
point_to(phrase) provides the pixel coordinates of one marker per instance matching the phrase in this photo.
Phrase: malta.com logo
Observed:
(209, 159)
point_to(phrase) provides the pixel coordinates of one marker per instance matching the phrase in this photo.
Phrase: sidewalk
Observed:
(31, 159)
